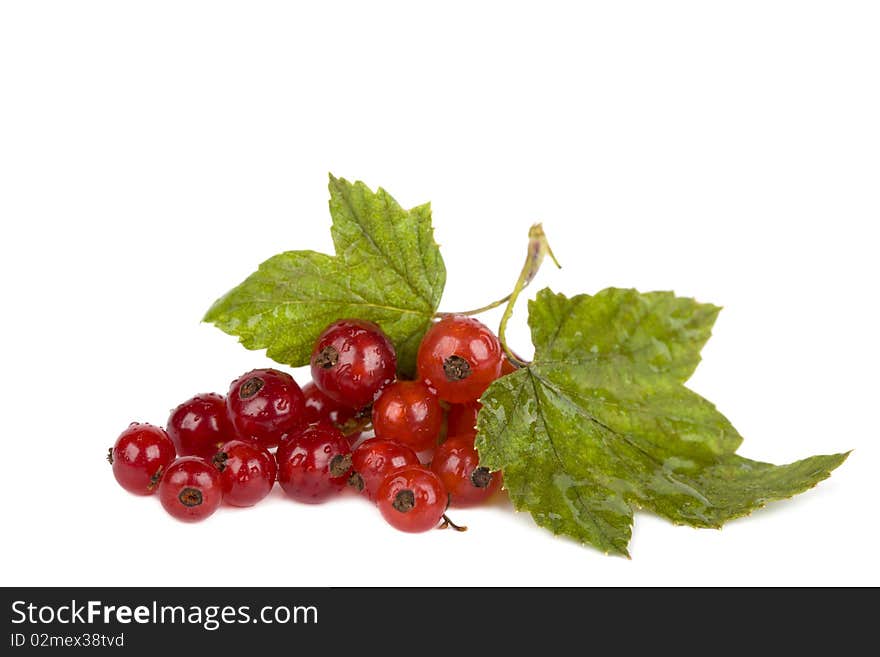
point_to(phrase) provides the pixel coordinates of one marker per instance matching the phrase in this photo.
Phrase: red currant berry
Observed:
(507, 367)
(408, 412)
(374, 459)
(412, 499)
(314, 463)
(247, 472)
(191, 489)
(457, 464)
(320, 408)
(200, 425)
(264, 405)
(459, 357)
(352, 361)
(140, 457)
(462, 418)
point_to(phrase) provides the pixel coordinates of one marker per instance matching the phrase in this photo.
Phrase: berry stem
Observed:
(539, 247)
(477, 311)
(447, 523)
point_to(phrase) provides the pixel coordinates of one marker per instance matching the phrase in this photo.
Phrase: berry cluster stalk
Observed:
(538, 248)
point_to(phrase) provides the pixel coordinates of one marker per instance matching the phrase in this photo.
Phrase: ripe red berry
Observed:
(191, 490)
(457, 464)
(247, 472)
(321, 408)
(412, 499)
(140, 457)
(462, 418)
(314, 463)
(374, 459)
(507, 367)
(352, 361)
(200, 425)
(459, 357)
(263, 405)
(408, 412)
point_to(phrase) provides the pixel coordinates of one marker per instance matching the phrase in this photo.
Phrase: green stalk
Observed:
(477, 311)
(538, 248)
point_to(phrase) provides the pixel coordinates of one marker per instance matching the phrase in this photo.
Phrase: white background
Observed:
(153, 153)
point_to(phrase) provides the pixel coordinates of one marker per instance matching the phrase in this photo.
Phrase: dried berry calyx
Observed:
(481, 477)
(404, 501)
(250, 387)
(340, 465)
(456, 368)
(190, 497)
(327, 357)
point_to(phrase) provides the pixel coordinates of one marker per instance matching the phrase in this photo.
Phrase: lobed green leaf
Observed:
(387, 269)
(601, 423)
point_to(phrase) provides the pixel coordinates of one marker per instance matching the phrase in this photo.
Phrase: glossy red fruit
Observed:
(459, 357)
(412, 499)
(314, 463)
(461, 419)
(247, 472)
(457, 464)
(200, 425)
(374, 459)
(191, 489)
(321, 408)
(352, 360)
(408, 412)
(507, 367)
(140, 457)
(264, 405)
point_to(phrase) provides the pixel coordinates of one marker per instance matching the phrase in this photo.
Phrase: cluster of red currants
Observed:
(217, 448)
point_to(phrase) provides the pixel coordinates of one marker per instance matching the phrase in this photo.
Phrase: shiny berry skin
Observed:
(374, 459)
(412, 499)
(140, 457)
(247, 472)
(191, 489)
(264, 405)
(314, 463)
(320, 408)
(352, 360)
(459, 357)
(200, 425)
(408, 412)
(457, 464)
(462, 418)
(507, 367)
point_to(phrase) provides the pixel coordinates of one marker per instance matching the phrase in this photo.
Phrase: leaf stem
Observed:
(538, 248)
(533, 263)
(477, 311)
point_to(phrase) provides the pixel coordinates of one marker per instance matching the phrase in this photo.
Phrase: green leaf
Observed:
(601, 424)
(387, 269)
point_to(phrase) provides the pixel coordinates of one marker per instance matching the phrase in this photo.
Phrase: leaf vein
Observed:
(381, 252)
(609, 540)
